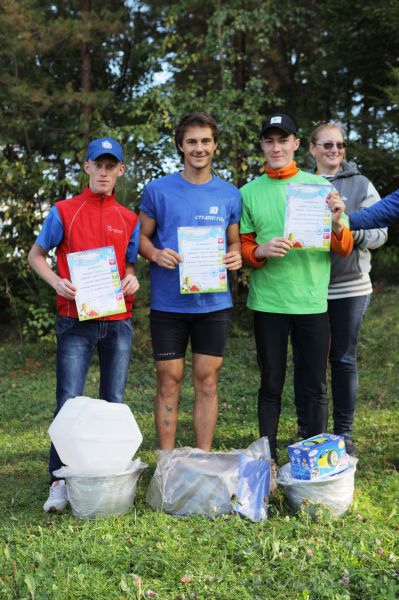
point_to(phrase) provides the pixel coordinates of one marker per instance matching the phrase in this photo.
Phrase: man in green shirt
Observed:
(288, 287)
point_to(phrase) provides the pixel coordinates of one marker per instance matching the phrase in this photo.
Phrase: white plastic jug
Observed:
(94, 436)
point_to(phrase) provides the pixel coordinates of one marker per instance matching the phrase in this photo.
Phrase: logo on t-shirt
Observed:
(212, 216)
(110, 228)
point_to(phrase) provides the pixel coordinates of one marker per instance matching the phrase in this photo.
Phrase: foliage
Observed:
(145, 554)
(74, 69)
(214, 53)
(39, 324)
(52, 102)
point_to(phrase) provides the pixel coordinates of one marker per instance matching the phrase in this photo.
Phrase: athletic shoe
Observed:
(301, 435)
(350, 447)
(57, 500)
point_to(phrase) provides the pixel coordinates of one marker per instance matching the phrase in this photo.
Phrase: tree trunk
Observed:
(85, 74)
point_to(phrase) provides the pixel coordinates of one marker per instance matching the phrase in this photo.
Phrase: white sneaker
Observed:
(57, 500)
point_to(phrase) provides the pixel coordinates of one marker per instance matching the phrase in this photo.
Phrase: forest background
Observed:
(74, 70)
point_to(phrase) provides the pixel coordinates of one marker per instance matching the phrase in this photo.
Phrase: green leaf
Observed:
(31, 585)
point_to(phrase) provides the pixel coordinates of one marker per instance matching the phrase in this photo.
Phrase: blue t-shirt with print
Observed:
(174, 202)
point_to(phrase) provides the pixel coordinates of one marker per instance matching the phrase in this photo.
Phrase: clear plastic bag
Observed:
(189, 481)
(333, 491)
(93, 496)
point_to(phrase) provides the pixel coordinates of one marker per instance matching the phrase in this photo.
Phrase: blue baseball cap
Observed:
(104, 146)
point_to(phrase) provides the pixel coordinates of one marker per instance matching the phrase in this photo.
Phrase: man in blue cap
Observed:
(91, 220)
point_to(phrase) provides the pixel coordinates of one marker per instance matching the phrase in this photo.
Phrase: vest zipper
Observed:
(101, 220)
(102, 196)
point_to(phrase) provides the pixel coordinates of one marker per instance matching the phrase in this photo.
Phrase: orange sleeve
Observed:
(342, 244)
(248, 247)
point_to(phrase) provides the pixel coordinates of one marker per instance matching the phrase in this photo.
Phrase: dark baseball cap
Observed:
(104, 146)
(278, 121)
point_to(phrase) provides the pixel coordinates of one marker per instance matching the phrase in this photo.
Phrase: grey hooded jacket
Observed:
(357, 192)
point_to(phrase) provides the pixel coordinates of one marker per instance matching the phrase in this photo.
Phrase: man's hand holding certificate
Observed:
(337, 207)
(95, 275)
(203, 269)
(308, 216)
(317, 214)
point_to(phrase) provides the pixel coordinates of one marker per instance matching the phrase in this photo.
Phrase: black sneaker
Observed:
(301, 435)
(350, 447)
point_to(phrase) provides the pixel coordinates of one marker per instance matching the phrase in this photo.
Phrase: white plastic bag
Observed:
(94, 496)
(189, 481)
(333, 491)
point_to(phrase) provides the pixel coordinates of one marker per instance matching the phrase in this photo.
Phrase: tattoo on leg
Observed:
(166, 422)
(168, 408)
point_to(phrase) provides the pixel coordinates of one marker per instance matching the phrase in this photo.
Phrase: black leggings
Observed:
(312, 337)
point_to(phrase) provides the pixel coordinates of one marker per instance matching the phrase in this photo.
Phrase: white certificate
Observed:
(203, 269)
(307, 216)
(95, 275)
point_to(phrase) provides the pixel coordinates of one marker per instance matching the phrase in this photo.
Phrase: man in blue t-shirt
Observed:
(193, 197)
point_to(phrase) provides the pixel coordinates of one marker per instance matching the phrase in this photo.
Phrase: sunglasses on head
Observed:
(329, 145)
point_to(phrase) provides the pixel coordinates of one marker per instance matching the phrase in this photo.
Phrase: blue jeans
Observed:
(76, 344)
(345, 316)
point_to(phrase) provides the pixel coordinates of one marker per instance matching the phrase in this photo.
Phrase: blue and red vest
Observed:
(93, 221)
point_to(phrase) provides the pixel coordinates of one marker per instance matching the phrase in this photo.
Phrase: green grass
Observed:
(288, 556)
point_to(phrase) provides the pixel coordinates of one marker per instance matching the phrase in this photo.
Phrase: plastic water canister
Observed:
(94, 436)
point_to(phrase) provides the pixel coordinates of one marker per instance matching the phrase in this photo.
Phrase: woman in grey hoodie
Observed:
(350, 285)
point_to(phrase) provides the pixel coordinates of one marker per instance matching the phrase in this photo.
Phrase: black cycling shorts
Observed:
(170, 333)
